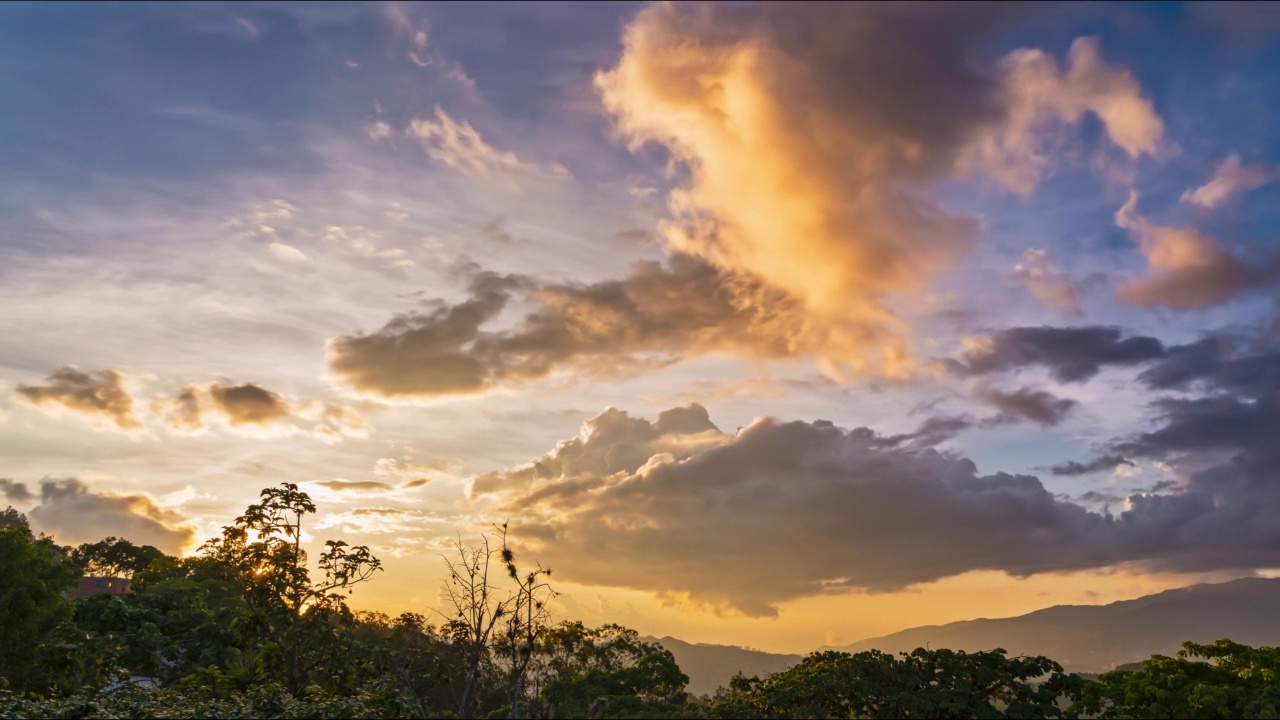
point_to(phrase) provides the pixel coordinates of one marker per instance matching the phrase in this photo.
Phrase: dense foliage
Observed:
(922, 684)
(243, 630)
(1228, 681)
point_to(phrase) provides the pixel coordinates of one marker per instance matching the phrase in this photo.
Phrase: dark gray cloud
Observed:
(1219, 362)
(633, 503)
(73, 514)
(1037, 406)
(1070, 354)
(1073, 468)
(14, 491)
(658, 314)
(99, 395)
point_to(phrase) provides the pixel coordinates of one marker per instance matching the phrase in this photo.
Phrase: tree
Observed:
(12, 518)
(1238, 681)
(33, 577)
(483, 618)
(527, 620)
(477, 609)
(593, 672)
(113, 557)
(263, 557)
(921, 684)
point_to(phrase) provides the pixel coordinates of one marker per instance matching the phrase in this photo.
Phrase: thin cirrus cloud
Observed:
(458, 145)
(810, 137)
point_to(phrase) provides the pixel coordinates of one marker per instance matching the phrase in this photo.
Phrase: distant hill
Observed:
(710, 666)
(1097, 638)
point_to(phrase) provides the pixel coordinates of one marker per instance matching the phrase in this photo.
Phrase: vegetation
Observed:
(242, 629)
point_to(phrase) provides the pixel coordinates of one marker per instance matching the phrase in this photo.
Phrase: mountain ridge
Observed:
(1083, 638)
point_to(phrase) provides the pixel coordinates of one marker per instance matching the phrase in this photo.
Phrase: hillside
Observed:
(1096, 638)
(710, 666)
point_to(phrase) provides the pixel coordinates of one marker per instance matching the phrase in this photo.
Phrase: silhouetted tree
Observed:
(263, 556)
(113, 557)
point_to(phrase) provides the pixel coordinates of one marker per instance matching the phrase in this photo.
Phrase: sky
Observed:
(777, 325)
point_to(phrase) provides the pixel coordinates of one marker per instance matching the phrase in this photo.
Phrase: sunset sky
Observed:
(772, 325)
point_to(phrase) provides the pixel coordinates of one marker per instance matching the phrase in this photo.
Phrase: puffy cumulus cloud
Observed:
(99, 396)
(613, 442)
(1038, 274)
(1038, 406)
(783, 510)
(1071, 354)
(1189, 270)
(253, 410)
(811, 135)
(73, 513)
(658, 314)
(1228, 179)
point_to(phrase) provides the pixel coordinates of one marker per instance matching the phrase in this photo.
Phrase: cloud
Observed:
(1040, 95)
(1106, 462)
(1037, 273)
(459, 145)
(634, 504)
(249, 28)
(810, 135)
(1189, 269)
(1071, 354)
(252, 410)
(74, 514)
(373, 521)
(1228, 179)
(1218, 362)
(287, 253)
(99, 396)
(682, 509)
(14, 491)
(1026, 403)
(248, 404)
(355, 486)
(658, 314)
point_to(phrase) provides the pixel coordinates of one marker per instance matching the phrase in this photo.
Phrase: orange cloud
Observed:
(1228, 179)
(811, 134)
(1189, 269)
(99, 396)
